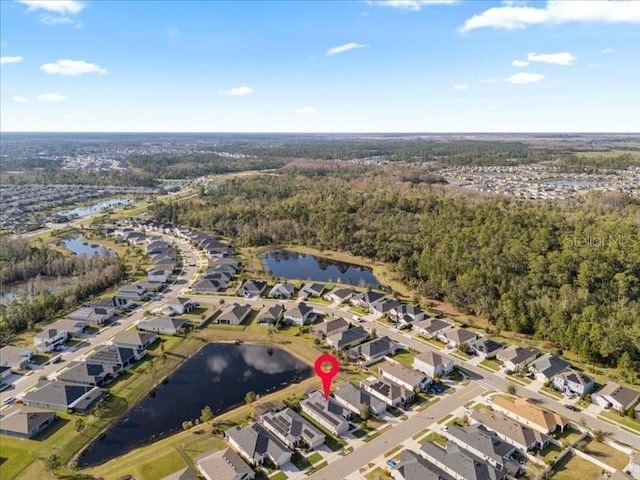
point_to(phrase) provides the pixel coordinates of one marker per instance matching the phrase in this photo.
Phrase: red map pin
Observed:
(326, 377)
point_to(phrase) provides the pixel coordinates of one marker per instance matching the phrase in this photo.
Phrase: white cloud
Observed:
(556, 12)
(461, 86)
(562, 58)
(7, 60)
(19, 99)
(59, 20)
(523, 78)
(607, 51)
(414, 5)
(72, 67)
(239, 91)
(519, 63)
(343, 48)
(306, 111)
(489, 80)
(61, 7)
(51, 97)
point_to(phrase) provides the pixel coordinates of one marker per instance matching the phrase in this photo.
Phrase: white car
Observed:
(444, 428)
(9, 400)
(488, 400)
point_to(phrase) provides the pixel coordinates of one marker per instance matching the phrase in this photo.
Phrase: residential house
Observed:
(390, 392)
(135, 340)
(163, 325)
(616, 397)
(158, 275)
(292, 430)
(433, 364)
(547, 366)
(486, 445)
(328, 413)
(25, 422)
(460, 463)
(457, 336)
(634, 466)
(252, 288)
(87, 373)
(49, 339)
(573, 381)
(233, 314)
(353, 398)
(515, 433)
(220, 275)
(313, 289)
(179, 306)
(282, 291)
(407, 377)
(130, 293)
(187, 474)
(516, 358)
(300, 314)
(270, 316)
(331, 326)
(15, 357)
(339, 295)
(431, 327)
(114, 357)
(72, 327)
(223, 465)
(384, 306)
(4, 373)
(414, 467)
(366, 298)
(406, 313)
(525, 411)
(93, 315)
(636, 411)
(224, 264)
(63, 396)
(376, 349)
(256, 444)
(208, 286)
(485, 347)
(348, 338)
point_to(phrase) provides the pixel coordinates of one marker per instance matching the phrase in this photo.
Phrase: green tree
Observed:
(250, 397)
(364, 411)
(79, 424)
(206, 414)
(52, 463)
(187, 424)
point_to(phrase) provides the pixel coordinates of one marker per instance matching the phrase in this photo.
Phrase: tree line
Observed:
(566, 272)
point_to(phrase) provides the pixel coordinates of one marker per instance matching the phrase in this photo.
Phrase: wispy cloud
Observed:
(489, 80)
(239, 91)
(59, 20)
(343, 48)
(562, 58)
(306, 111)
(19, 99)
(72, 67)
(519, 63)
(51, 97)
(56, 12)
(414, 5)
(524, 78)
(461, 86)
(555, 12)
(8, 60)
(607, 51)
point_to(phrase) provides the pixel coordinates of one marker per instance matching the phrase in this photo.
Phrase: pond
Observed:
(81, 247)
(33, 286)
(293, 265)
(96, 207)
(219, 375)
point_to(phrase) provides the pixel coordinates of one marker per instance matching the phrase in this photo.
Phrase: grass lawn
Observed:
(359, 433)
(315, 468)
(315, 457)
(550, 392)
(445, 418)
(300, 461)
(17, 459)
(461, 355)
(605, 453)
(520, 380)
(550, 453)
(435, 438)
(573, 467)
(632, 423)
(362, 311)
(405, 357)
(378, 474)
(279, 476)
(568, 436)
(394, 450)
(491, 364)
(433, 342)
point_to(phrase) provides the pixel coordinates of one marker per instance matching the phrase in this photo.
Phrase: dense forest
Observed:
(20, 261)
(568, 273)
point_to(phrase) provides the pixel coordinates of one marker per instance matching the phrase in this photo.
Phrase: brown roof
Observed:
(531, 412)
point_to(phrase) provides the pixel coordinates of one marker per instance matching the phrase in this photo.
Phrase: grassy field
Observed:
(573, 467)
(435, 438)
(550, 453)
(631, 423)
(491, 364)
(378, 474)
(405, 357)
(605, 453)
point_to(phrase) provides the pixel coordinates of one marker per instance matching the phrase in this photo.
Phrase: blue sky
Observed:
(347, 66)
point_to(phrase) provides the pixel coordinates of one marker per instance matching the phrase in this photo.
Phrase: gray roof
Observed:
(85, 373)
(549, 365)
(575, 376)
(162, 322)
(24, 420)
(331, 411)
(133, 337)
(460, 335)
(57, 393)
(369, 297)
(414, 467)
(332, 325)
(485, 441)
(287, 288)
(404, 374)
(486, 345)
(342, 293)
(206, 285)
(254, 286)
(292, 426)
(223, 465)
(256, 441)
(314, 288)
(623, 395)
(375, 347)
(234, 312)
(270, 314)
(518, 355)
(387, 388)
(299, 310)
(355, 396)
(349, 336)
(519, 433)
(462, 462)
(431, 325)
(111, 355)
(184, 474)
(431, 358)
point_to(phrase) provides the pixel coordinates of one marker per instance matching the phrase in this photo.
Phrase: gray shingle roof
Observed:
(462, 462)
(256, 441)
(413, 467)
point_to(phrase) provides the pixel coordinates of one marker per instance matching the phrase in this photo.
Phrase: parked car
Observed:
(444, 428)
(572, 408)
(9, 400)
(391, 463)
(488, 400)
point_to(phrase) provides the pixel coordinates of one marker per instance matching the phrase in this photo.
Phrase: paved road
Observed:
(397, 434)
(28, 381)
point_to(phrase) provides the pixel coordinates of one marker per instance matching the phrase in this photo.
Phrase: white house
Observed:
(615, 396)
(158, 275)
(407, 377)
(300, 314)
(15, 357)
(49, 339)
(573, 381)
(433, 364)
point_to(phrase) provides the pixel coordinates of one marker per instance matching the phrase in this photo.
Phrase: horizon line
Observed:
(531, 132)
